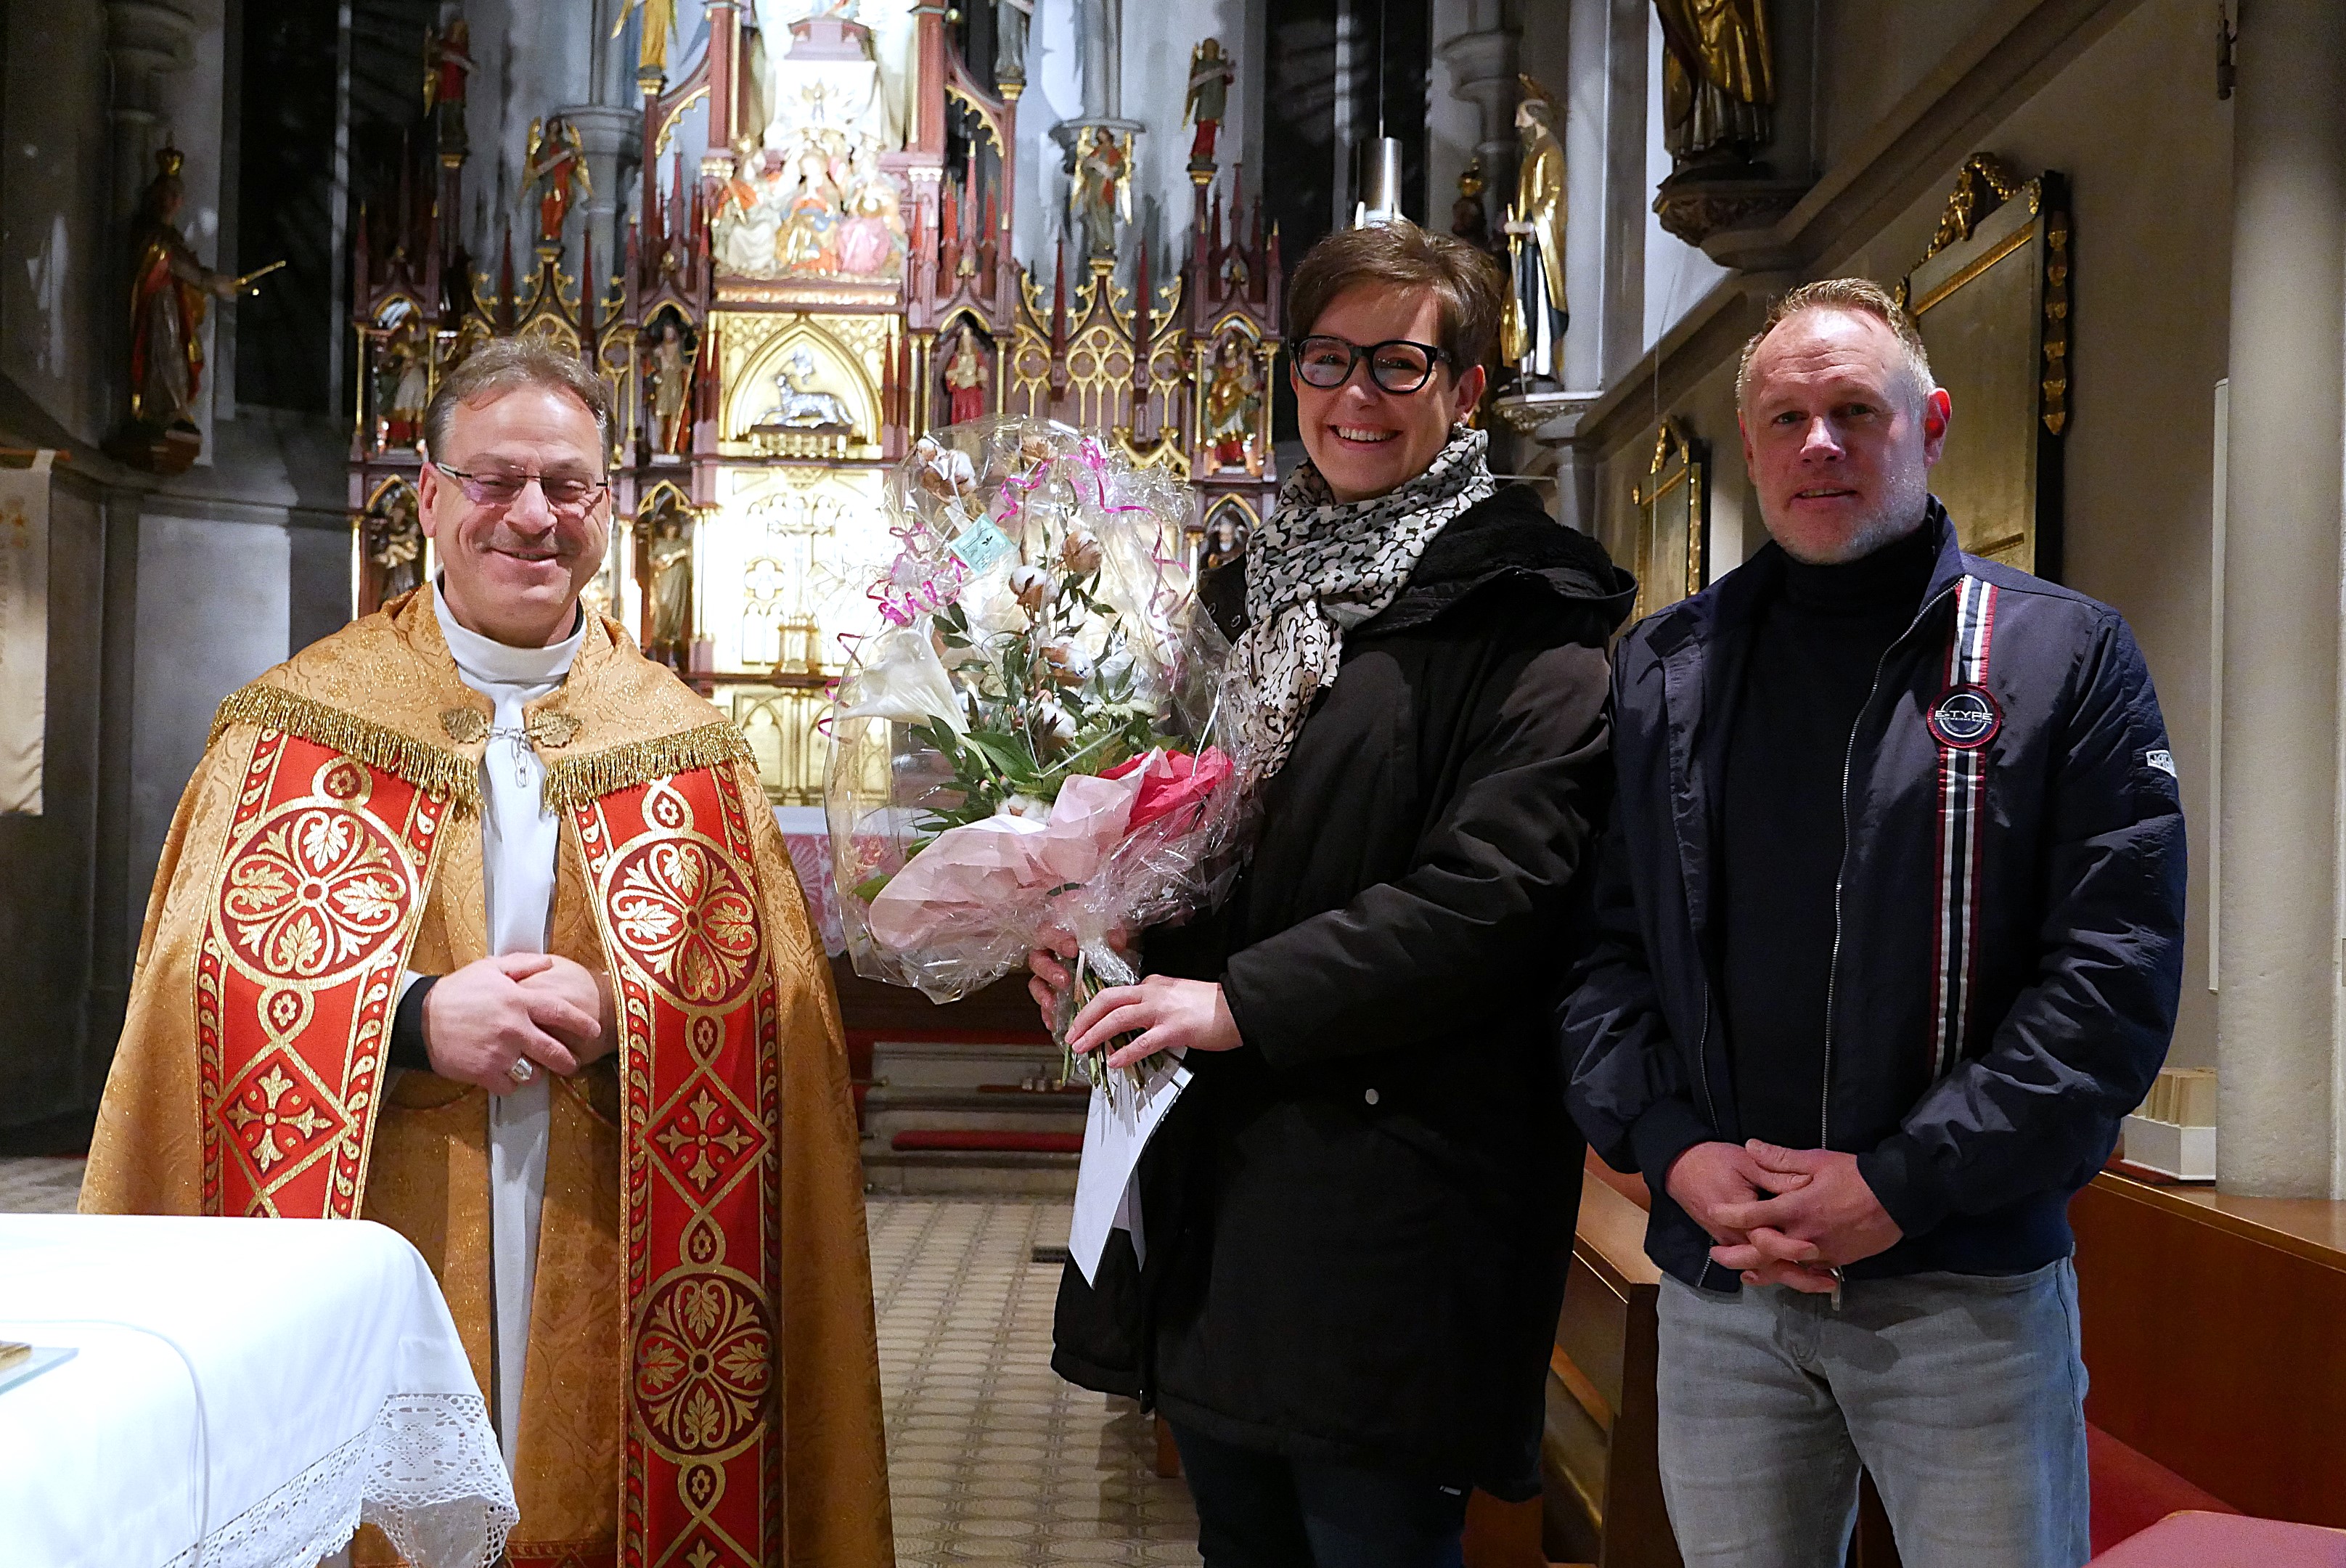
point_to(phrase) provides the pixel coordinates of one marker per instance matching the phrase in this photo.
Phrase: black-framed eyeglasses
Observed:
(1397, 364)
(563, 493)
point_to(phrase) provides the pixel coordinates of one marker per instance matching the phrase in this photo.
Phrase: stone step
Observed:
(889, 1110)
(929, 1172)
(939, 1064)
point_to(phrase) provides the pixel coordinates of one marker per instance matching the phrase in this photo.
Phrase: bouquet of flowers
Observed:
(1028, 745)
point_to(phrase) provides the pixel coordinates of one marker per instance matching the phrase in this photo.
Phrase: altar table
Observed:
(243, 1392)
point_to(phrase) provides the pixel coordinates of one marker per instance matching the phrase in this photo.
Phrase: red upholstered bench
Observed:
(2132, 1491)
(2227, 1541)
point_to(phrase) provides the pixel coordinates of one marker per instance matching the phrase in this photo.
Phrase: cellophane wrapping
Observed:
(1031, 743)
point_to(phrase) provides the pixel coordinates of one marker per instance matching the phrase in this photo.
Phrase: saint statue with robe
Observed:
(965, 379)
(1234, 406)
(1532, 332)
(664, 566)
(1099, 192)
(169, 291)
(1719, 84)
(474, 922)
(555, 171)
(394, 543)
(670, 375)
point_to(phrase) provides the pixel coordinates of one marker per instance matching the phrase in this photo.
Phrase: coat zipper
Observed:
(1841, 872)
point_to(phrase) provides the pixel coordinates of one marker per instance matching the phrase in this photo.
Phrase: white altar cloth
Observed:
(245, 1392)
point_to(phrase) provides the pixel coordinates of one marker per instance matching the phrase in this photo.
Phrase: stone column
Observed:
(2278, 915)
(611, 137)
(1482, 63)
(144, 39)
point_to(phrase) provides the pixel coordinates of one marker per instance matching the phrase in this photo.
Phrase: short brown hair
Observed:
(1464, 282)
(1861, 296)
(502, 364)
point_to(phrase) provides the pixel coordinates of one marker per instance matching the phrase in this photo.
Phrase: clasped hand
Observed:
(1781, 1216)
(549, 1011)
(1171, 1015)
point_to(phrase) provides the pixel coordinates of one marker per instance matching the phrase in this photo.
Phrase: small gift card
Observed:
(982, 547)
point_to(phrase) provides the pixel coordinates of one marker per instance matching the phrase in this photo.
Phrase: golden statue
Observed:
(1532, 333)
(1718, 84)
(660, 21)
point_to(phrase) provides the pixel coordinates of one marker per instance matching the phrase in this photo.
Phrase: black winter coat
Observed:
(1357, 1223)
(2010, 944)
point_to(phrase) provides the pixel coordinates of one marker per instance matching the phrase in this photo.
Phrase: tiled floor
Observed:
(39, 1186)
(992, 1458)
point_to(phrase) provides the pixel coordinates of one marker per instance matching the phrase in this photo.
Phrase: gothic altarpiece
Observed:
(828, 279)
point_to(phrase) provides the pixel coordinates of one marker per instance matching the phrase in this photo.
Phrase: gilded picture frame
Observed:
(1673, 505)
(1991, 297)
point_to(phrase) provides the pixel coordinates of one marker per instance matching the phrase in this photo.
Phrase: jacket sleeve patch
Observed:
(2163, 760)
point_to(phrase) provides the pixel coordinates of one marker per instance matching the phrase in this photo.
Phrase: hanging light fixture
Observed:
(1380, 158)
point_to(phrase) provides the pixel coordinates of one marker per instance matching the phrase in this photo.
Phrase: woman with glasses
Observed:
(1357, 1220)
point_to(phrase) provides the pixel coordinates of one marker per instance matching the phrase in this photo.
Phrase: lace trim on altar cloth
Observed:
(427, 1473)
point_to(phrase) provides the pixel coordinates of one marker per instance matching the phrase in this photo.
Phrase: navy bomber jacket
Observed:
(2009, 940)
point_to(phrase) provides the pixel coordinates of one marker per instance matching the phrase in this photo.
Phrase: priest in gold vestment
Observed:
(474, 921)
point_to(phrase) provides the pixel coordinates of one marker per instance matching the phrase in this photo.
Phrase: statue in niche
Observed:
(1208, 100)
(1531, 333)
(405, 387)
(1225, 537)
(1234, 407)
(664, 566)
(1719, 86)
(555, 171)
(447, 65)
(169, 291)
(964, 376)
(667, 377)
(393, 537)
(1101, 193)
(1011, 20)
(797, 407)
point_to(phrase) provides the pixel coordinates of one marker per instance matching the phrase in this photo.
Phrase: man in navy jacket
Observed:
(1891, 925)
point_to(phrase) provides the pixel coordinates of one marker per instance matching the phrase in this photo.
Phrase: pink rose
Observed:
(1172, 781)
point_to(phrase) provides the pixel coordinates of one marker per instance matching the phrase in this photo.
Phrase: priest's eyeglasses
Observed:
(565, 492)
(1397, 364)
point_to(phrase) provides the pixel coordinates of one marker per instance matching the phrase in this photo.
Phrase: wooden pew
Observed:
(1603, 1488)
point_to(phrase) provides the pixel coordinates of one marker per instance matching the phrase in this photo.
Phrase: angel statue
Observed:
(1209, 97)
(556, 169)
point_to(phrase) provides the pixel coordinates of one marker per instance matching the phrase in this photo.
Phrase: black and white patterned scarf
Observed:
(1318, 567)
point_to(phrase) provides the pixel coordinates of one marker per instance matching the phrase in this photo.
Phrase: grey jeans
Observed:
(1962, 1395)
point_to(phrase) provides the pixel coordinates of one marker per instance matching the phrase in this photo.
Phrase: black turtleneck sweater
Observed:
(1811, 666)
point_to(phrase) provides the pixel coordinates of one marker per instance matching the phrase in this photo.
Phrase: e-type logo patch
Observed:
(1966, 718)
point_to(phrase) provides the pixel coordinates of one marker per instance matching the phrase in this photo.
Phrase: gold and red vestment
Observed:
(702, 1382)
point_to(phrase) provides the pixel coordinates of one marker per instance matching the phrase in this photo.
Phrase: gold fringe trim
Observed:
(574, 781)
(428, 768)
